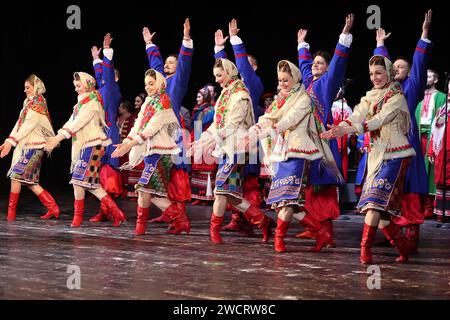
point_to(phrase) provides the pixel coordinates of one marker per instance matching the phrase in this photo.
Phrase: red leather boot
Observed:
(214, 228)
(196, 202)
(394, 234)
(103, 215)
(117, 214)
(234, 224)
(328, 224)
(368, 236)
(307, 234)
(12, 206)
(255, 216)
(412, 235)
(141, 221)
(78, 211)
(280, 233)
(163, 218)
(179, 219)
(50, 203)
(322, 236)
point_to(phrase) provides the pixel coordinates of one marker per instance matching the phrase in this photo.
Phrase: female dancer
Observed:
(383, 112)
(202, 172)
(291, 124)
(152, 139)
(233, 117)
(86, 128)
(29, 135)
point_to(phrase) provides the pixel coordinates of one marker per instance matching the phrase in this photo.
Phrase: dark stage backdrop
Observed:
(35, 39)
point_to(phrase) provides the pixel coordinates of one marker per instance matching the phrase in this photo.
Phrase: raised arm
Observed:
(240, 53)
(381, 36)
(154, 56)
(108, 63)
(98, 68)
(305, 59)
(248, 72)
(418, 73)
(426, 24)
(178, 90)
(332, 79)
(219, 48)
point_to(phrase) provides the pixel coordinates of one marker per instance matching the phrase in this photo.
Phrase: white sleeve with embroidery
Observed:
(28, 125)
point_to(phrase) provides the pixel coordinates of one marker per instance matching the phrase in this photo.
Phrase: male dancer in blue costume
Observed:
(107, 78)
(322, 79)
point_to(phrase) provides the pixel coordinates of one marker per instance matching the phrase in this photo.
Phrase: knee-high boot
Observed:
(78, 212)
(280, 233)
(12, 206)
(179, 219)
(255, 216)
(412, 235)
(214, 228)
(50, 203)
(393, 233)
(118, 215)
(322, 236)
(368, 236)
(141, 221)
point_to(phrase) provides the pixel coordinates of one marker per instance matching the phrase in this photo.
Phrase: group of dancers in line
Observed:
(296, 134)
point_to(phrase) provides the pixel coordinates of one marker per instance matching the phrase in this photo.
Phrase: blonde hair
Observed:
(283, 66)
(31, 79)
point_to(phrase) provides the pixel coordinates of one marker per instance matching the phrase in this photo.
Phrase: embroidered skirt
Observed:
(28, 168)
(441, 202)
(131, 178)
(86, 173)
(200, 180)
(386, 190)
(229, 178)
(289, 184)
(156, 175)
